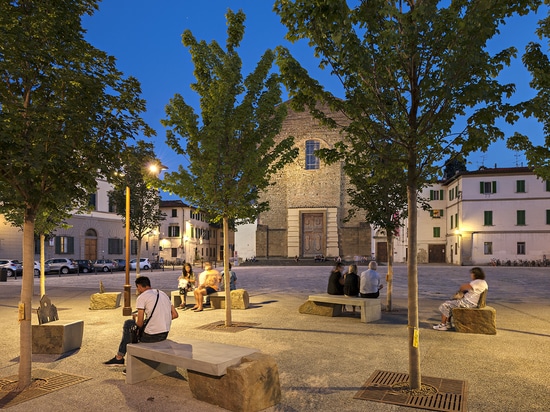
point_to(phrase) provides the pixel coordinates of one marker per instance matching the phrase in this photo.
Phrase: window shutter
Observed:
(70, 244)
(441, 194)
(481, 187)
(57, 245)
(494, 187)
(441, 212)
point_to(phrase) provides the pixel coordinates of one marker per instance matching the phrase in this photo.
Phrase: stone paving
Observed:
(322, 361)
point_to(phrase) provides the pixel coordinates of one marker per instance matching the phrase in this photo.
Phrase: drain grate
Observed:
(44, 382)
(446, 395)
(235, 326)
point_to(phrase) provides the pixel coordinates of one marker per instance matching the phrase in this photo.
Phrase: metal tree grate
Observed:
(447, 395)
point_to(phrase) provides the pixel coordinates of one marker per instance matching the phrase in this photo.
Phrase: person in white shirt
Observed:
(470, 298)
(157, 323)
(369, 282)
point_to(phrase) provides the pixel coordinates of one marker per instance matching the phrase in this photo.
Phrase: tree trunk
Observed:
(389, 276)
(412, 276)
(226, 274)
(25, 305)
(42, 268)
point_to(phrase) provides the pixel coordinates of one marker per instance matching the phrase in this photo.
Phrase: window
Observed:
(133, 247)
(520, 217)
(436, 213)
(173, 231)
(488, 187)
(451, 194)
(488, 248)
(92, 201)
(548, 185)
(174, 252)
(521, 248)
(174, 212)
(520, 186)
(488, 218)
(114, 246)
(456, 219)
(437, 232)
(548, 217)
(64, 245)
(312, 161)
(436, 194)
(112, 206)
(452, 221)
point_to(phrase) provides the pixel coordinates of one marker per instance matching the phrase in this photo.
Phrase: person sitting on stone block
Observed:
(468, 297)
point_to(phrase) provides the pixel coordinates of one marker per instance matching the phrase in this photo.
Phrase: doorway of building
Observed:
(313, 234)
(90, 245)
(381, 252)
(436, 253)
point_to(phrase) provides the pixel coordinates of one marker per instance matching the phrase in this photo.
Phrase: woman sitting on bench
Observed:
(468, 297)
(211, 285)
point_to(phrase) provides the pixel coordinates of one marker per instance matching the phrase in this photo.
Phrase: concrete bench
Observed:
(331, 305)
(53, 336)
(239, 299)
(482, 320)
(248, 380)
(105, 300)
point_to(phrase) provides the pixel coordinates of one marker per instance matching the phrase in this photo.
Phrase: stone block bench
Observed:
(239, 299)
(54, 336)
(331, 305)
(105, 300)
(232, 377)
(482, 320)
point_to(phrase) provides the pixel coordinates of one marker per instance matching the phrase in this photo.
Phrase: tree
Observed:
(538, 64)
(145, 213)
(231, 151)
(64, 110)
(408, 69)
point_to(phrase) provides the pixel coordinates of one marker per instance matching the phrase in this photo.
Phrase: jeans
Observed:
(146, 338)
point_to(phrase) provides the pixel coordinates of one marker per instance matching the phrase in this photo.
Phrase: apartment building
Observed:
(479, 217)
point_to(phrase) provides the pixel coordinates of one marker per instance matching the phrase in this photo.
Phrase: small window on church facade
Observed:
(312, 161)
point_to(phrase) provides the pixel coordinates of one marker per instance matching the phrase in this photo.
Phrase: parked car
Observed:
(105, 265)
(143, 264)
(37, 268)
(61, 265)
(84, 265)
(13, 266)
(121, 264)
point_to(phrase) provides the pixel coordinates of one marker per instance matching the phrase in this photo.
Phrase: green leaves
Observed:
(230, 147)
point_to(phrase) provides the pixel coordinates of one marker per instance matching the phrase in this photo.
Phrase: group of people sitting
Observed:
(366, 285)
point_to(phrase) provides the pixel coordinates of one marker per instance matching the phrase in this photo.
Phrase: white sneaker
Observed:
(441, 326)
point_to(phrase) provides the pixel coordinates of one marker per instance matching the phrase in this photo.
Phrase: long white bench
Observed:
(248, 379)
(147, 360)
(331, 305)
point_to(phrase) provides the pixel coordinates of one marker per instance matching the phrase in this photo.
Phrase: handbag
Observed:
(135, 331)
(458, 295)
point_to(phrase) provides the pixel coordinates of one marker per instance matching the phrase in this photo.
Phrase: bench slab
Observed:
(57, 337)
(147, 360)
(331, 305)
(105, 300)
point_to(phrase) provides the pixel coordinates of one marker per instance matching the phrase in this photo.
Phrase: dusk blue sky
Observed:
(145, 38)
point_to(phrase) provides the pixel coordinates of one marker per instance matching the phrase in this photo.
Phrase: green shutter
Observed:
(494, 187)
(441, 194)
(481, 187)
(57, 245)
(548, 217)
(441, 213)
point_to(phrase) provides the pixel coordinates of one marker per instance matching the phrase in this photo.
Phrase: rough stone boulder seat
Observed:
(331, 305)
(480, 320)
(53, 336)
(104, 300)
(239, 299)
(232, 377)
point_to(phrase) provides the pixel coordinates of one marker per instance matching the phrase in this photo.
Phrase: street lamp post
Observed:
(127, 309)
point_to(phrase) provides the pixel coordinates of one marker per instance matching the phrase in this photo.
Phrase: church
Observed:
(309, 201)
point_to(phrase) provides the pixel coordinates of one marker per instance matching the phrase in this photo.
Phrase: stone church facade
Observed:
(309, 201)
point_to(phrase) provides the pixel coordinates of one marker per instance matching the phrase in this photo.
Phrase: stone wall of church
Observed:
(297, 191)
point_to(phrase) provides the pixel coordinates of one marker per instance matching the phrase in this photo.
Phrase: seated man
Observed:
(209, 283)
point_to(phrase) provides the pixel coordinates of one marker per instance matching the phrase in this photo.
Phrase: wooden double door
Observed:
(313, 234)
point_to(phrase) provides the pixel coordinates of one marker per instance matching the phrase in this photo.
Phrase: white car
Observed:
(37, 268)
(143, 264)
(12, 266)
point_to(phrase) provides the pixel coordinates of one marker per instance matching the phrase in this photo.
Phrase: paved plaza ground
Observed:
(322, 361)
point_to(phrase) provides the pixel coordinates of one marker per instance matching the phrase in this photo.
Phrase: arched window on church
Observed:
(312, 161)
